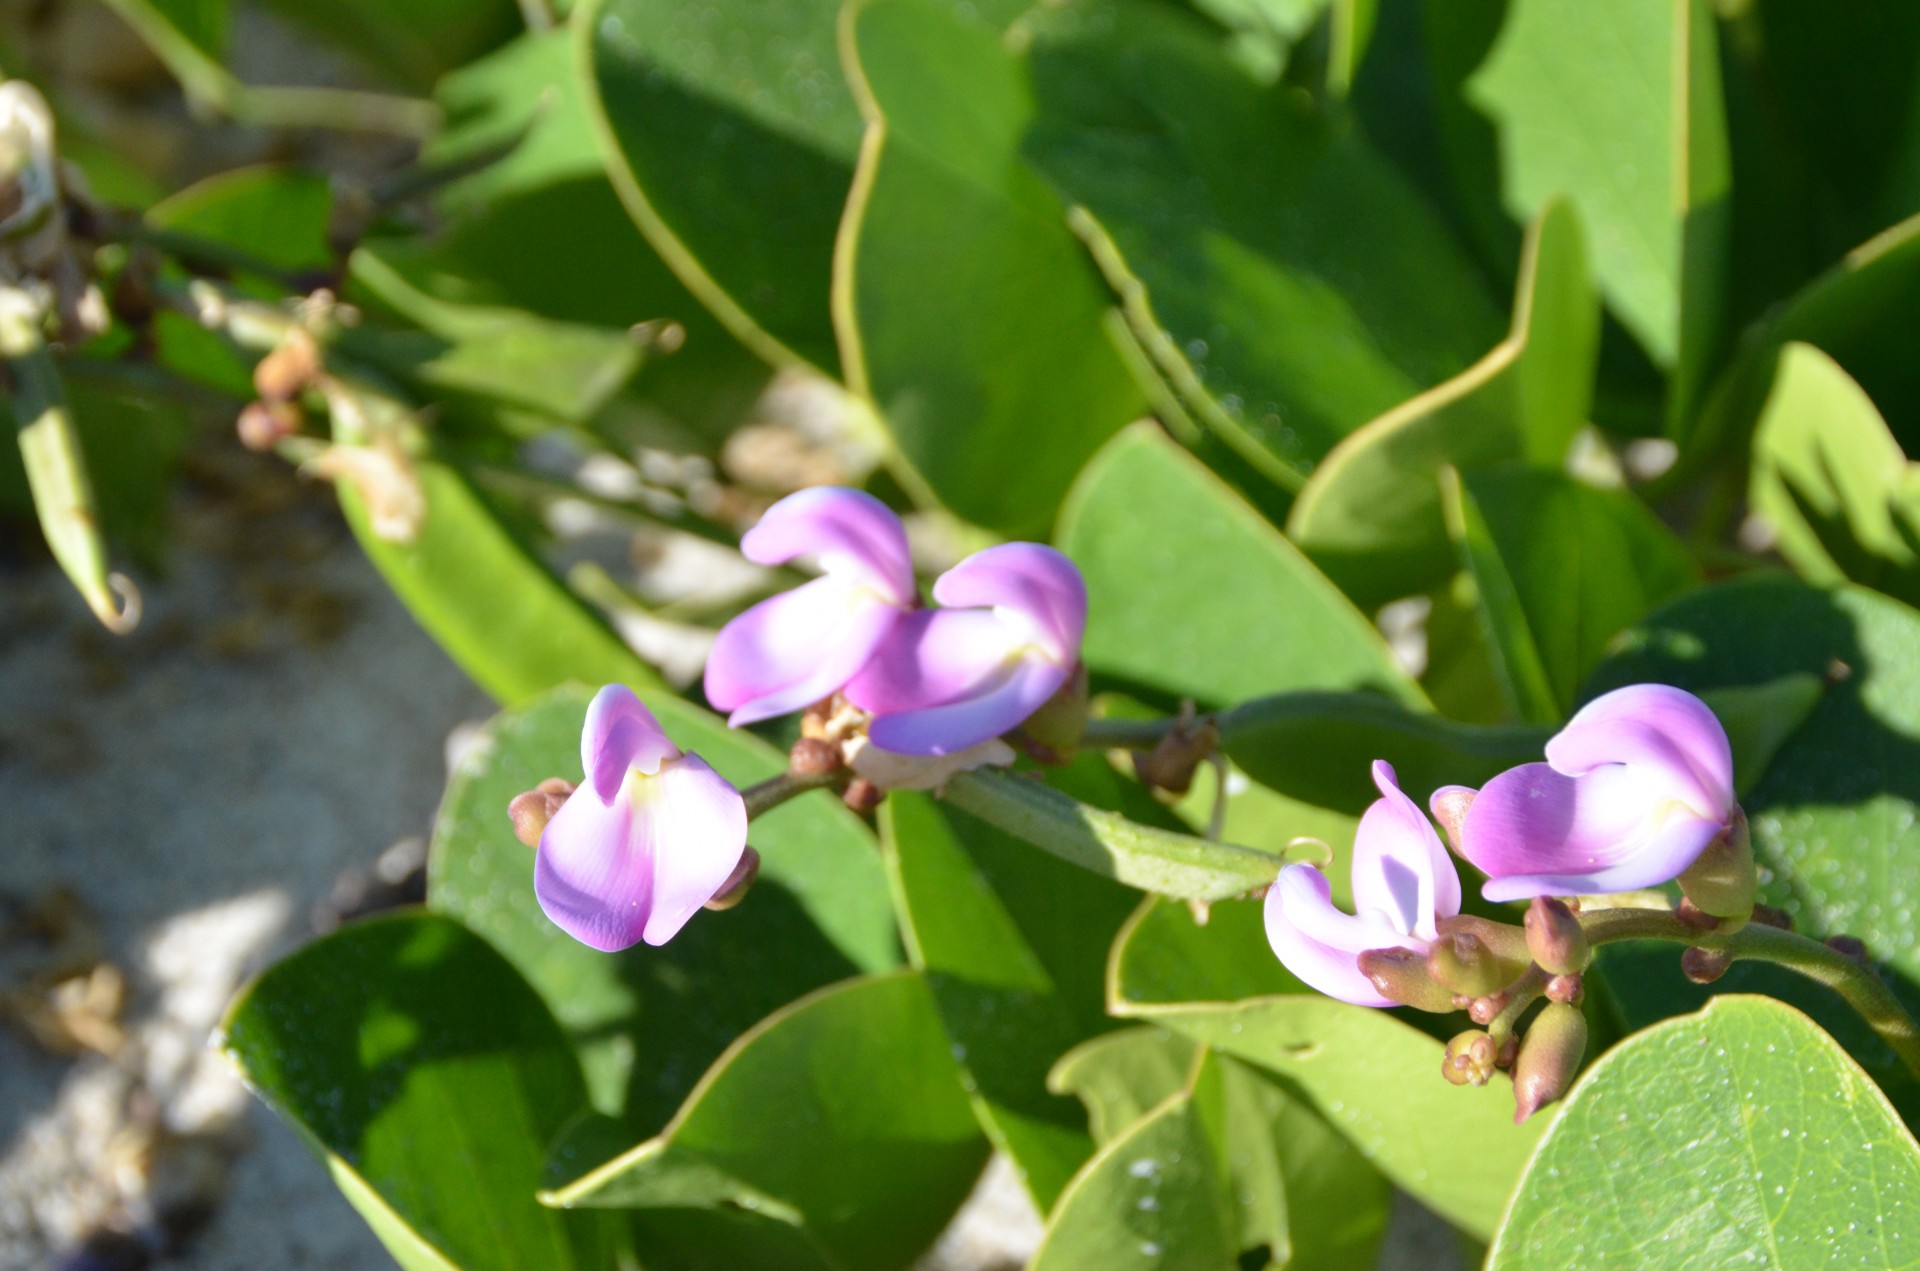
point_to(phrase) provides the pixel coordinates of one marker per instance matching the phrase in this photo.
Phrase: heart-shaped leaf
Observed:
(1370, 516)
(1285, 280)
(430, 1077)
(967, 311)
(1372, 1077)
(841, 1115)
(1777, 1151)
(1638, 83)
(649, 1021)
(1561, 568)
(1193, 594)
(1833, 481)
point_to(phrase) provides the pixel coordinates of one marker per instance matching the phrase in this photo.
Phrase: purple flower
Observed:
(1635, 787)
(1008, 639)
(1403, 883)
(649, 837)
(787, 653)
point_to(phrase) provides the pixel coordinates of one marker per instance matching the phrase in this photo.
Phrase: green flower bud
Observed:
(1464, 963)
(1555, 937)
(1471, 1059)
(1549, 1058)
(1400, 975)
(1055, 729)
(1723, 880)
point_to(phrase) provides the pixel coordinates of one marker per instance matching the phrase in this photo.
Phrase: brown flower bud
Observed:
(1570, 989)
(531, 811)
(286, 371)
(1484, 1010)
(1704, 966)
(1548, 1059)
(1178, 754)
(734, 890)
(1471, 1059)
(862, 795)
(1465, 964)
(1400, 975)
(1449, 806)
(1555, 937)
(1723, 880)
(264, 425)
(813, 757)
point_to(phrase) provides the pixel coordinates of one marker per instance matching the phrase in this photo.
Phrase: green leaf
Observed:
(1010, 940)
(649, 1021)
(1561, 569)
(841, 1115)
(1317, 747)
(1779, 1152)
(412, 44)
(1108, 844)
(1291, 284)
(967, 312)
(1833, 481)
(731, 139)
(1836, 815)
(1372, 1077)
(489, 602)
(1192, 593)
(1299, 1188)
(1618, 107)
(1370, 516)
(430, 1078)
(1156, 1196)
(563, 370)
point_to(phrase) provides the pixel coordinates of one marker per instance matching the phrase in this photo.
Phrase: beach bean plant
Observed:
(1295, 617)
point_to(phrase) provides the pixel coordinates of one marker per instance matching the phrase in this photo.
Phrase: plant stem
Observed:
(774, 791)
(1863, 990)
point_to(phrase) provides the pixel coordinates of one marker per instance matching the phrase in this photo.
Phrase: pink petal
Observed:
(786, 653)
(853, 535)
(1657, 727)
(620, 733)
(1588, 832)
(697, 825)
(1662, 856)
(1318, 943)
(591, 877)
(932, 657)
(1029, 579)
(998, 705)
(1400, 867)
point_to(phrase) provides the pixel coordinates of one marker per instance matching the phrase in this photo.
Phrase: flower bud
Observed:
(1471, 1059)
(288, 368)
(1723, 881)
(861, 795)
(1178, 754)
(1704, 966)
(734, 890)
(264, 425)
(1449, 806)
(1548, 1059)
(531, 811)
(1400, 975)
(1570, 989)
(1465, 964)
(813, 757)
(1509, 943)
(1555, 937)
(1054, 730)
(1849, 947)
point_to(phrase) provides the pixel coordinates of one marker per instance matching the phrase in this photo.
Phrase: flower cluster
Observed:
(935, 681)
(1636, 791)
(653, 834)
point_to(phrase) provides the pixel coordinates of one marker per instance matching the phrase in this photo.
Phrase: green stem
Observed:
(774, 791)
(1521, 994)
(1863, 990)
